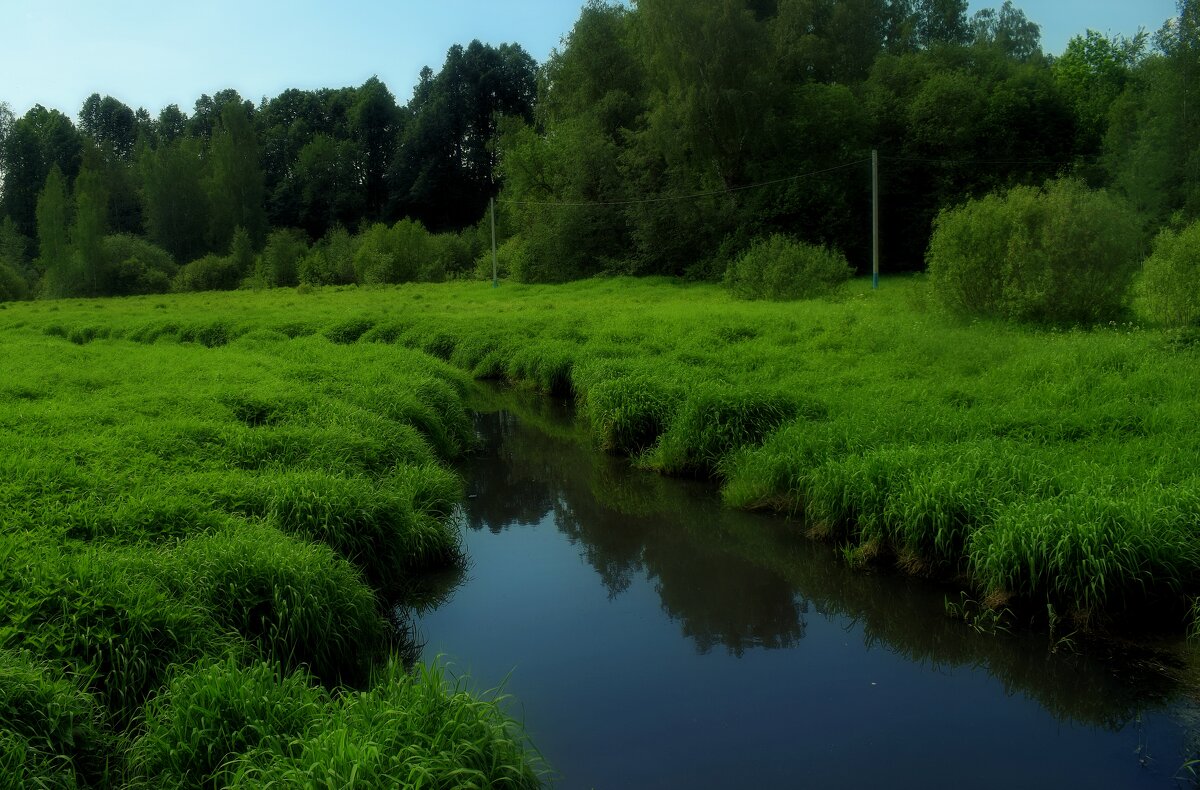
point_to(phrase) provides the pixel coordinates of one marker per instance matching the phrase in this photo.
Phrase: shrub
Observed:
(393, 255)
(1170, 283)
(779, 267)
(331, 262)
(1060, 254)
(210, 273)
(279, 263)
(135, 266)
(12, 284)
(511, 260)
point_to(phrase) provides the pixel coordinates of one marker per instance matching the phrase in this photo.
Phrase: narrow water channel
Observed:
(650, 638)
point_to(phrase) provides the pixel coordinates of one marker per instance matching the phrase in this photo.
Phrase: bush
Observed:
(779, 267)
(210, 273)
(12, 284)
(397, 254)
(331, 262)
(1170, 283)
(1060, 254)
(511, 260)
(279, 264)
(135, 266)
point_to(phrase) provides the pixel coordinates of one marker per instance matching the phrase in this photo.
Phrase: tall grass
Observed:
(291, 444)
(188, 494)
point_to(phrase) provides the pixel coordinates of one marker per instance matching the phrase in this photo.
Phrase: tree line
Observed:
(666, 137)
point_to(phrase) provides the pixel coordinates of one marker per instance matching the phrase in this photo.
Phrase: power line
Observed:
(693, 196)
(986, 161)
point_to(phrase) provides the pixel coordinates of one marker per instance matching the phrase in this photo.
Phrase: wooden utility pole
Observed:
(874, 218)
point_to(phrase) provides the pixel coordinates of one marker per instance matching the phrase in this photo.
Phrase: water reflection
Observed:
(735, 581)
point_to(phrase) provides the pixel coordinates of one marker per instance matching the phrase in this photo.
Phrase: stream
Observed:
(649, 637)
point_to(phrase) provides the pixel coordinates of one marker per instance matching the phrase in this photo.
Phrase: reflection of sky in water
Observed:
(654, 640)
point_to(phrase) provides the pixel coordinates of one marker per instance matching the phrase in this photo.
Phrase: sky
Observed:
(154, 53)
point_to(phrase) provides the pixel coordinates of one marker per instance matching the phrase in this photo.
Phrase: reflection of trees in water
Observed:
(500, 490)
(741, 581)
(717, 600)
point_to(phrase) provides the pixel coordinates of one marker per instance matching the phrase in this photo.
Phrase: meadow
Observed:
(208, 500)
(201, 546)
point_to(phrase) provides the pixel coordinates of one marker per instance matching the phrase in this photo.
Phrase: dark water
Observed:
(652, 639)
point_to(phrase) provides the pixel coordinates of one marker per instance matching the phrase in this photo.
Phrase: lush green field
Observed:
(204, 492)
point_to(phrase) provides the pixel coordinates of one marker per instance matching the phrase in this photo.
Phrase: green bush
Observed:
(12, 285)
(1060, 254)
(210, 273)
(511, 261)
(1170, 283)
(331, 261)
(397, 254)
(135, 266)
(279, 263)
(779, 267)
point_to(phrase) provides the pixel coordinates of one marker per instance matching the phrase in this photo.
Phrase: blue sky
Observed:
(57, 52)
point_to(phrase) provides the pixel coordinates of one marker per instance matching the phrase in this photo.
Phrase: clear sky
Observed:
(151, 54)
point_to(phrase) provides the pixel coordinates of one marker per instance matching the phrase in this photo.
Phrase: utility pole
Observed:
(874, 218)
(492, 206)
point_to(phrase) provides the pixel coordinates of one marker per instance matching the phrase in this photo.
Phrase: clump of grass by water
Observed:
(296, 601)
(212, 713)
(408, 730)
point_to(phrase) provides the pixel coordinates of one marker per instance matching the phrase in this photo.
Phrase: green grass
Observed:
(207, 493)
(209, 464)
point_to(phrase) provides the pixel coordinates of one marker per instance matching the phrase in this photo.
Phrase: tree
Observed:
(330, 183)
(1092, 72)
(171, 124)
(87, 233)
(235, 182)
(7, 119)
(1008, 31)
(54, 243)
(443, 172)
(36, 141)
(111, 124)
(24, 177)
(176, 204)
(375, 122)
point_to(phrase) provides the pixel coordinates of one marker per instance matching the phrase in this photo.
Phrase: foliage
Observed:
(12, 284)
(136, 266)
(210, 273)
(1062, 254)
(393, 255)
(781, 268)
(1169, 285)
(279, 264)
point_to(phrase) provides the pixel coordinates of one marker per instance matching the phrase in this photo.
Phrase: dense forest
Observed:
(662, 138)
